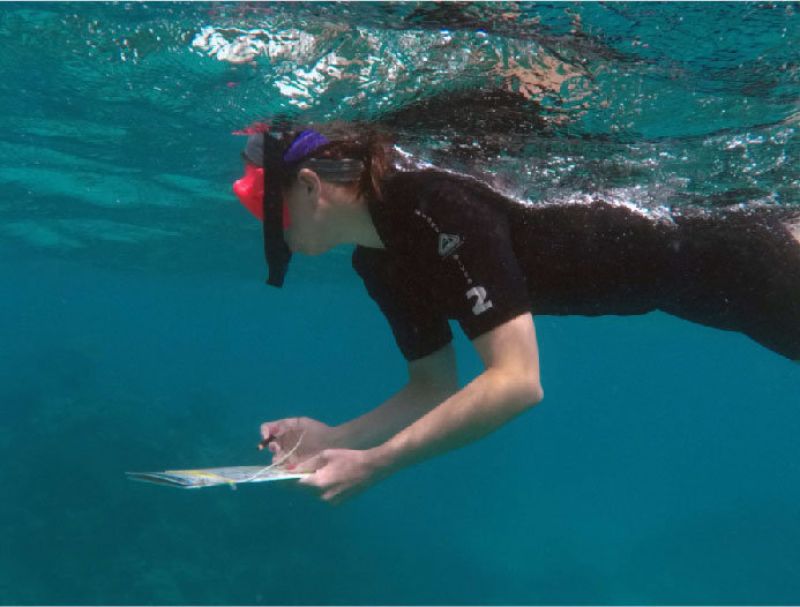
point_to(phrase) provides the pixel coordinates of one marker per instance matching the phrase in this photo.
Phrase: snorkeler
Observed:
(433, 245)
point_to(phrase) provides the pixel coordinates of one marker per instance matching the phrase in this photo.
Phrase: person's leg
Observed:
(741, 272)
(794, 229)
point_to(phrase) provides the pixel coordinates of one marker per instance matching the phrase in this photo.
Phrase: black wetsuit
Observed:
(456, 249)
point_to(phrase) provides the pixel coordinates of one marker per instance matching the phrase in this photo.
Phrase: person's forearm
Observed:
(386, 420)
(488, 402)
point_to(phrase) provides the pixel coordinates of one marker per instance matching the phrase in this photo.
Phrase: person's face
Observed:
(308, 232)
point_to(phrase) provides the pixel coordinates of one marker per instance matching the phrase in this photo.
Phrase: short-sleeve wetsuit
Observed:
(456, 249)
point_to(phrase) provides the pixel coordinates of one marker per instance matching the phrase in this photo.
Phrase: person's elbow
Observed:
(535, 393)
(510, 353)
(523, 388)
(530, 391)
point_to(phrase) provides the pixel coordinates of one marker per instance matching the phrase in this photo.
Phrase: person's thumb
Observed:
(312, 464)
(269, 432)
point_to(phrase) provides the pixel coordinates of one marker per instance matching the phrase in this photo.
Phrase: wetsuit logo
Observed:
(449, 244)
(481, 303)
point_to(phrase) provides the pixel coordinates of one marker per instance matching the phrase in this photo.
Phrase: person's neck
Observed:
(354, 223)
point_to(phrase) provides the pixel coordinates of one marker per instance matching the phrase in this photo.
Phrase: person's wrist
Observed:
(339, 438)
(384, 458)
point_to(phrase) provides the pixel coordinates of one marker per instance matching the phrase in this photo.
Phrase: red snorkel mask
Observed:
(267, 155)
(249, 189)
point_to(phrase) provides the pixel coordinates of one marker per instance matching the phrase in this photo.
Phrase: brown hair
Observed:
(371, 148)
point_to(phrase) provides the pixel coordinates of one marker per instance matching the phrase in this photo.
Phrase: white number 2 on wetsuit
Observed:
(481, 303)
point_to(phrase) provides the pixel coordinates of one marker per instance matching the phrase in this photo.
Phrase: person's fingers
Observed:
(308, 465)
(306, 481)
(312, 464)
(272, 429)
(266, 442)
(280, 459)
(291, 461)
(265, 431)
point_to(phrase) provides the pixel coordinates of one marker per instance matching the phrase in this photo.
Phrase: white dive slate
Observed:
(210, 477)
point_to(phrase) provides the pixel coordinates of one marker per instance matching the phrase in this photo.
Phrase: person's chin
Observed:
(293, 245)
(316, 250)
(306, 248)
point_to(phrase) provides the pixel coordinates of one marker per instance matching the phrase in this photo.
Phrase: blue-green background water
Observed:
(136, 333)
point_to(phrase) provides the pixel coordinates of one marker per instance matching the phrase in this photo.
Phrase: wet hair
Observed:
(361, 159)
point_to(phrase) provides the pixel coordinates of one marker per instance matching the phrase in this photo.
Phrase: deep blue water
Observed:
(136, 332)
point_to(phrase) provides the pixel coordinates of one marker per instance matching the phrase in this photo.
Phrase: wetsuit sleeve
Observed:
(417, 328)
(463, 240)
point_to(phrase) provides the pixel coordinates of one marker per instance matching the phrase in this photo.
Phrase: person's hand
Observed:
(281, 437)
(339, 474)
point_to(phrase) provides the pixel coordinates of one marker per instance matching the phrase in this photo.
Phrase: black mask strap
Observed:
(275, 248)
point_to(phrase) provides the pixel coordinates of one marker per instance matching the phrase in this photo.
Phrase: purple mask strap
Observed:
(304, 145)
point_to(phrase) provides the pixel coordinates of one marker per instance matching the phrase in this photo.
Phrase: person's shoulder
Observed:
(442, 192)
(425, 179)
(410, 184)
(403, 193)
(418, 187)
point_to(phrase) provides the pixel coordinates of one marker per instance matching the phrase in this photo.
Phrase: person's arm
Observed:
(431, 380)
(509, 385)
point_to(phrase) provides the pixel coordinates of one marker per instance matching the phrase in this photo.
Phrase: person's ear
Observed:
(310, 181)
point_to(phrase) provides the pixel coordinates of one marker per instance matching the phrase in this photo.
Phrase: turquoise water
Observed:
(137, 334)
